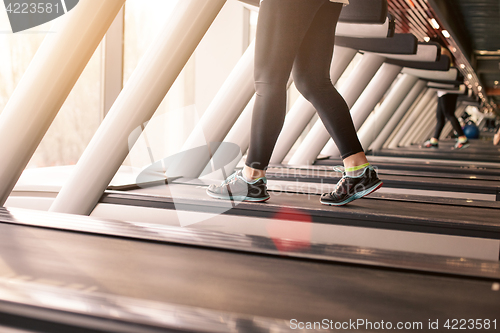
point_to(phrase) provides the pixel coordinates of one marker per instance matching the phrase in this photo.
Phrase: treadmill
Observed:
(441, 220)
(447, 167)
(66, 273)
(457, 225)
(466, 186)
(436, 171)
(477, 159)
(416, 168)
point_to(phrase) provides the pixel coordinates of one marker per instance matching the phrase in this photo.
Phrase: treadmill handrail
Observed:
(399, 44)
(387, 29)
(427, 52)
(358, 11)
(442, 64)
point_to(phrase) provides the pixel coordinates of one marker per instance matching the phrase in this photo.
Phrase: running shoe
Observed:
(429, 144)
(352, 188)
(462, 145)
(237, 188)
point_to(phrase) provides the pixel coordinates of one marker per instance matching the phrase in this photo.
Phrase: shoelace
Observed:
(230, 179)
(341, 182)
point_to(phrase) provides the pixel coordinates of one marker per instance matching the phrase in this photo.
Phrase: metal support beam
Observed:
(372, 126)
(302, 111)
(403, 108)
(406, 140)
(370, 97)
(220, 115)
(240, 132)
(53, 72)
(403, 120)
(239, 135)
(427, 130)
(136, 104)
(350, 90)
(416, 128)
(424, 128)
(422, 104)
(427, 124)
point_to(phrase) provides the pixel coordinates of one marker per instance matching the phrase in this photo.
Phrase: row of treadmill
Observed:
(159, 255)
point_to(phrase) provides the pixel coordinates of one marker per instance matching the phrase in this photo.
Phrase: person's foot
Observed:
(350, 188)
(461, 144)
(430, 144)
(237, 188)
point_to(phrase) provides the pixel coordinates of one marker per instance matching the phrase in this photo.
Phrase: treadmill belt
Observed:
(478, 150)
(447, 148)
(374, 213)
(415, 161)
(461, 155)
(227, 281)
(446, 171)
(401, 180)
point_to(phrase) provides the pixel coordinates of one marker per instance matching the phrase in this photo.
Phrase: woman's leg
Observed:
(441, 120)
(496, 138)
(440, 117)
(449, 107)
(281, 29)
(311, 74)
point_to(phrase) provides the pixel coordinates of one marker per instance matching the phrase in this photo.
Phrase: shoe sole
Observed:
(238, 198)
(355, 196)
(463, 147)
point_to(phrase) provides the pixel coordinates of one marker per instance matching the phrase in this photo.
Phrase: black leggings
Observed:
(296, 34)
(446, 110)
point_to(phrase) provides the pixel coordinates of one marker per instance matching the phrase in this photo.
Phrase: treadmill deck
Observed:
(256, 285)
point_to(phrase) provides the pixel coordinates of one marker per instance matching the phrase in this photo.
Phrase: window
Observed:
(79, 117)
(196, 86)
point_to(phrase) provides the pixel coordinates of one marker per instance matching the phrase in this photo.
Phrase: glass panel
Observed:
(143, 20)
(196, 86)
(77, 120)
(174, 118)
(16, 52)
